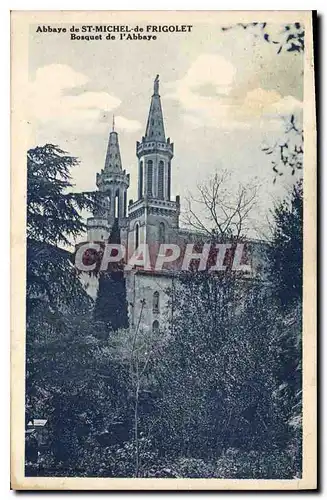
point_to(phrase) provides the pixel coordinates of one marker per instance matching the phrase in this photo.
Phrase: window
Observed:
(149, 178)
(141, 180)
(162, 231)
(161, 181)
(116, 205)
(155, 326)
(169, 179)
(125, 203)
(155, 302)
(137, 236)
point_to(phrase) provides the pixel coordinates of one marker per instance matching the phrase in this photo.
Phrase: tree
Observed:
(140, 352)
(286, 248)
(111, 304)
(286, 272)
(220, 212)
(221, 356)
(81, 388)
(236, 355)
(53, 221)
(53, 213)
(53, 217)
(56, 300)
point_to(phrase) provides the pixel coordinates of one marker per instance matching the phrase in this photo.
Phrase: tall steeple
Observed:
(155, 153)
(113, 158)
(112, 183)
(154, 217)
(155, 129)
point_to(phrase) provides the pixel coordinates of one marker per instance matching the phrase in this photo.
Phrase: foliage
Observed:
(236, 464)
(53, 212)
(222, 358)
(289, 39)
(71, 376)
(53, 219)
(218, 395)
(111, 304)
(287, 152)
(286, 247)
(73, 380)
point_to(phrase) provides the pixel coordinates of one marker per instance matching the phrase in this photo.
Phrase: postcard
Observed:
(163, 242)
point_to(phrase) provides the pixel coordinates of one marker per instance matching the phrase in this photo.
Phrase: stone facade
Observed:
(148, 299)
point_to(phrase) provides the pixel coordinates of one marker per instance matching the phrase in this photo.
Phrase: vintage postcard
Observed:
(163, 250)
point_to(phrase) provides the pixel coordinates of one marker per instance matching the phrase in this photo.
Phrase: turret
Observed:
(155, 153)
(153, 217)
(112, 183)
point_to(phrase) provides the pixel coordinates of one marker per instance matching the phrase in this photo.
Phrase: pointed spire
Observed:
(155, 130)
(113, 158)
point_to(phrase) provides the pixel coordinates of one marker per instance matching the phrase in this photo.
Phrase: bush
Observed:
(255, 465)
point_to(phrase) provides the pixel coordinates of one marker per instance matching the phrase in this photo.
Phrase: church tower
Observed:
(112, 183)
(154, 217)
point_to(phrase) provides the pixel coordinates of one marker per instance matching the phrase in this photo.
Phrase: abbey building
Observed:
(152, 219)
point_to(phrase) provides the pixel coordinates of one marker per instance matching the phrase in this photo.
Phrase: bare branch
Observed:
(222, 213)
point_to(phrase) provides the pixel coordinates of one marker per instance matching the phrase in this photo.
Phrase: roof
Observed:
(113, 158)
(155, 129)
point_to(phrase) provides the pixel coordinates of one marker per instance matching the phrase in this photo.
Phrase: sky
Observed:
(225, 95)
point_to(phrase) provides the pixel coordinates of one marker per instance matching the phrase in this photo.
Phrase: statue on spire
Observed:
(155, 125)
(156, 85)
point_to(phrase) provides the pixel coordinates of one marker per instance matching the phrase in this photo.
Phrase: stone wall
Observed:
(142, 286)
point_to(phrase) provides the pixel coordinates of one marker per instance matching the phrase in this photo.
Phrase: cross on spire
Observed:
(113, 122)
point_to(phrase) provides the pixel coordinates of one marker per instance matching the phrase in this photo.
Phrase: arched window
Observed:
(161, 181)
(149, 177)
(116, 202)
(169, 179)
(155, 326)
(111, 201)
(125, 203)
(141, 180)
(162, 231)
(155, 302)
(137, 236)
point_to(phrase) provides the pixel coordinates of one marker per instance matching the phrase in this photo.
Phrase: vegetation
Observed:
(289, 39)
(219, 395)
(286, 247)
(111, 305)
